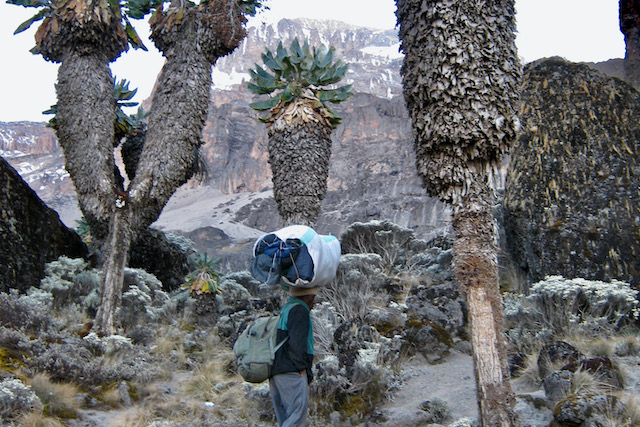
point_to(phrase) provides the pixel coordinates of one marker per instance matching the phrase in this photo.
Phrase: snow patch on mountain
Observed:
(389, 52)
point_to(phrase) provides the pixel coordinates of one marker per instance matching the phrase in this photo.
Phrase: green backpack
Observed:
(256, 348)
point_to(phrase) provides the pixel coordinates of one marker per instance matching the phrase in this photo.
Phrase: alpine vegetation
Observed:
(299, 123)
(558, 307)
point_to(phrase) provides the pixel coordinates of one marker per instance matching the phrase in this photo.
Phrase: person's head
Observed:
(307, 295)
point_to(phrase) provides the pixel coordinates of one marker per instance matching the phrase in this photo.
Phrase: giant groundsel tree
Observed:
(299, 123)
(461, 77)
(85, 36)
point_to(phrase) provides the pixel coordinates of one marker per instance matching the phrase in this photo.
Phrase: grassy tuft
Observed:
(58, 399)
(603, 346)
(38, 419)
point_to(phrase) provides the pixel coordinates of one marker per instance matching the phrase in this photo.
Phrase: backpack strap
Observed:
(280, 344)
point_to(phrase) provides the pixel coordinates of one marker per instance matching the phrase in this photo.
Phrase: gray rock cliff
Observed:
(32, 234)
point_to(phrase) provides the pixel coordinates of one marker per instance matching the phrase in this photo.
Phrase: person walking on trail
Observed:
(291, 373)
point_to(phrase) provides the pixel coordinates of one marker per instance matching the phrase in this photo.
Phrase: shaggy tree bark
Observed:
(299, 153)
(630, 27)
(460, 81)
(84, 40)
(191, 42)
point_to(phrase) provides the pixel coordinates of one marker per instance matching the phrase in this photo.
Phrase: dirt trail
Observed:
(451, 381)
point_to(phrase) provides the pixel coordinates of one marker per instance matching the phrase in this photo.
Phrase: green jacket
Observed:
(297, 353)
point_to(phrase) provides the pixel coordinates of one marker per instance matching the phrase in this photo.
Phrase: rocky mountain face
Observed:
(32, 233)
(33, 150)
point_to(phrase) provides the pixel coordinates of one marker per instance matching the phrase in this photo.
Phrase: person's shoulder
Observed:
(299, 310)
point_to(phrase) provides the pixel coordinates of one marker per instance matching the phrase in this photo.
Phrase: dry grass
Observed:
(631, 413)
(407, 282)
(529, 375)
(58, 399)
(38, 419)
(601, 347)
(111, 397)
(584, 382)
(626, 345)
(170, 347)
(214, 381)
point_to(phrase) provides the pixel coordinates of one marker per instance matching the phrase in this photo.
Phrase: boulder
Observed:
(164, 256)
(571, 195)
(32, 234)
(557, 385)
(583, 409)
(600, 367)
(556, 354)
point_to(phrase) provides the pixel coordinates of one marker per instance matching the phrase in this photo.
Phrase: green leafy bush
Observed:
(204, 278)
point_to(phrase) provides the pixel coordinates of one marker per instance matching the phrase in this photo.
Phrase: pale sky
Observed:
(578, 30)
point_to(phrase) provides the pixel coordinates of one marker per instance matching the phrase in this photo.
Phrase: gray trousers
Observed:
(290, 398)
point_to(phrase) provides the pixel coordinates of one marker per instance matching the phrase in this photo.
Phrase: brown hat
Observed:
(298, 292)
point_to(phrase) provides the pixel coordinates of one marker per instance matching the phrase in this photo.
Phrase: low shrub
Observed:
(25, 313)
(559, 307)
(356, 289)
(16, 398)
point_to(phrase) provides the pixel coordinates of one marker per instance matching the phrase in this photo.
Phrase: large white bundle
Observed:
(324, 251)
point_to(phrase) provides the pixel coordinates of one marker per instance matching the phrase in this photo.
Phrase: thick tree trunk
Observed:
(630, 27)
(299, 158)
(461, 76)
(476, 268)
(85, 38)
(86, 115)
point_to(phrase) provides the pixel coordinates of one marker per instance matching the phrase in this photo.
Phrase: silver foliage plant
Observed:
(559, 306)
(71, 282)
(15, 397)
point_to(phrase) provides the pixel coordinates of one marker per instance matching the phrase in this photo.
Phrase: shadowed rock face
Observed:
(32, 234)
(572, 199)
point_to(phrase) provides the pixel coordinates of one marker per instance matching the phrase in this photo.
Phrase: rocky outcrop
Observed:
(571, 197)
(33, 150)
(167, 259)
(32, 234)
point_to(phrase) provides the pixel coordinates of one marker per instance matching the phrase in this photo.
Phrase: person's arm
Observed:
(298, 326)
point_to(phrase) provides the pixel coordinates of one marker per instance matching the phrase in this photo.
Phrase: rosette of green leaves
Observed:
(127, 124)
(292, 71)
(122, 11)
(250, 7)
(135, 9)
(204, 278)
